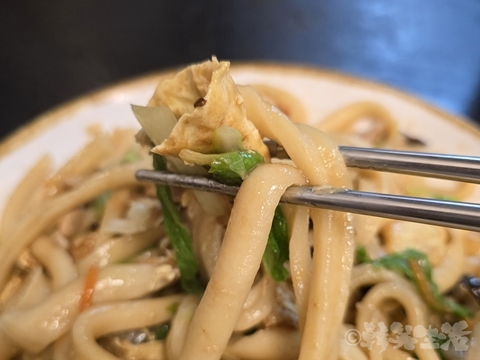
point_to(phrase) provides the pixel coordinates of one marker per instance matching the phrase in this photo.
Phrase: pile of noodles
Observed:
(87, 270)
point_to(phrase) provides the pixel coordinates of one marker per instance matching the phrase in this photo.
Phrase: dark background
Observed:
(54, 50)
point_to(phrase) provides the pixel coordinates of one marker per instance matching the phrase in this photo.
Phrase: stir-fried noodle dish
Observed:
(97, 265)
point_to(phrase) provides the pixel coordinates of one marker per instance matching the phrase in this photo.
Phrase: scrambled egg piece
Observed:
(223, 106)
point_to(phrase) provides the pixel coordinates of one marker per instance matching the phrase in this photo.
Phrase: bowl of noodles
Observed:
(96, 265)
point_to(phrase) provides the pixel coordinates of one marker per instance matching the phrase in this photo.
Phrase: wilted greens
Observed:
(229, 168)
(179, 236)
(276, 252)
(415, 266)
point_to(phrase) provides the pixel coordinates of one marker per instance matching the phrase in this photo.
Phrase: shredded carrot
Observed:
(88, 288)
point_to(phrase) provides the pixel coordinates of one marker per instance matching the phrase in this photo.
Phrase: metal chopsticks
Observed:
(429, 211)
(459, 215)
(441, 166)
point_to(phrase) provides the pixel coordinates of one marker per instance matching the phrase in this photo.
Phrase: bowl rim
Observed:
(57, 113)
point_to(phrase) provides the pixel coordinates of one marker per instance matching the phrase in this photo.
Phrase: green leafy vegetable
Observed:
(161, 332)
(131, 156)
(361, 255)
(229, 168)
(423, 192)
(233, 166)
(178, 235)
(100, 202)
(415, 266)
(444, 197)
(172, 309)
(276, 252)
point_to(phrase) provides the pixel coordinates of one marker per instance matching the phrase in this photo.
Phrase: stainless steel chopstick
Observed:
(453, 214)
(441, 166)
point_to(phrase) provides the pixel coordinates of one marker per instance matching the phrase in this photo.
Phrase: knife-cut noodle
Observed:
(89, 268)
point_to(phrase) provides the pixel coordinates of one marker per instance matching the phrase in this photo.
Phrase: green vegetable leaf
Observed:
(161, 331)
(179, 236)
(276, 252)
(172, 309)
(100, 202)
(229, 168)
(415, 266)
(131, 156)
(444, 197)
(233, 167)
(361, 254)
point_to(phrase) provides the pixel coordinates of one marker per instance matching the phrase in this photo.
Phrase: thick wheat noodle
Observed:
(109, 318)
(103, 149)
(8, 349)
(274, 125)
(367, 227)
(56, 315)
(238, 261)
(346, 350)
(389, 352)
(83, 163)
(120, 248)
(208, 241)
(42, 217)
(474, 348)
(258, 305)
(405, 294)
(367, 275)
(300, 257)
(34, 290)
(114, 208)
(334, 242)
(25, 194)
(334, 238)
(396, 354)
(346, 116)
(56, 260)
(207, 236)
(461, 191)
(417, 186)
(450, 270)
(179, 326)
(63, 348)
(286, 102)
(269, 344)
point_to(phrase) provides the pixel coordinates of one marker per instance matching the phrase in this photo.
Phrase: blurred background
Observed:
(55, 50)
